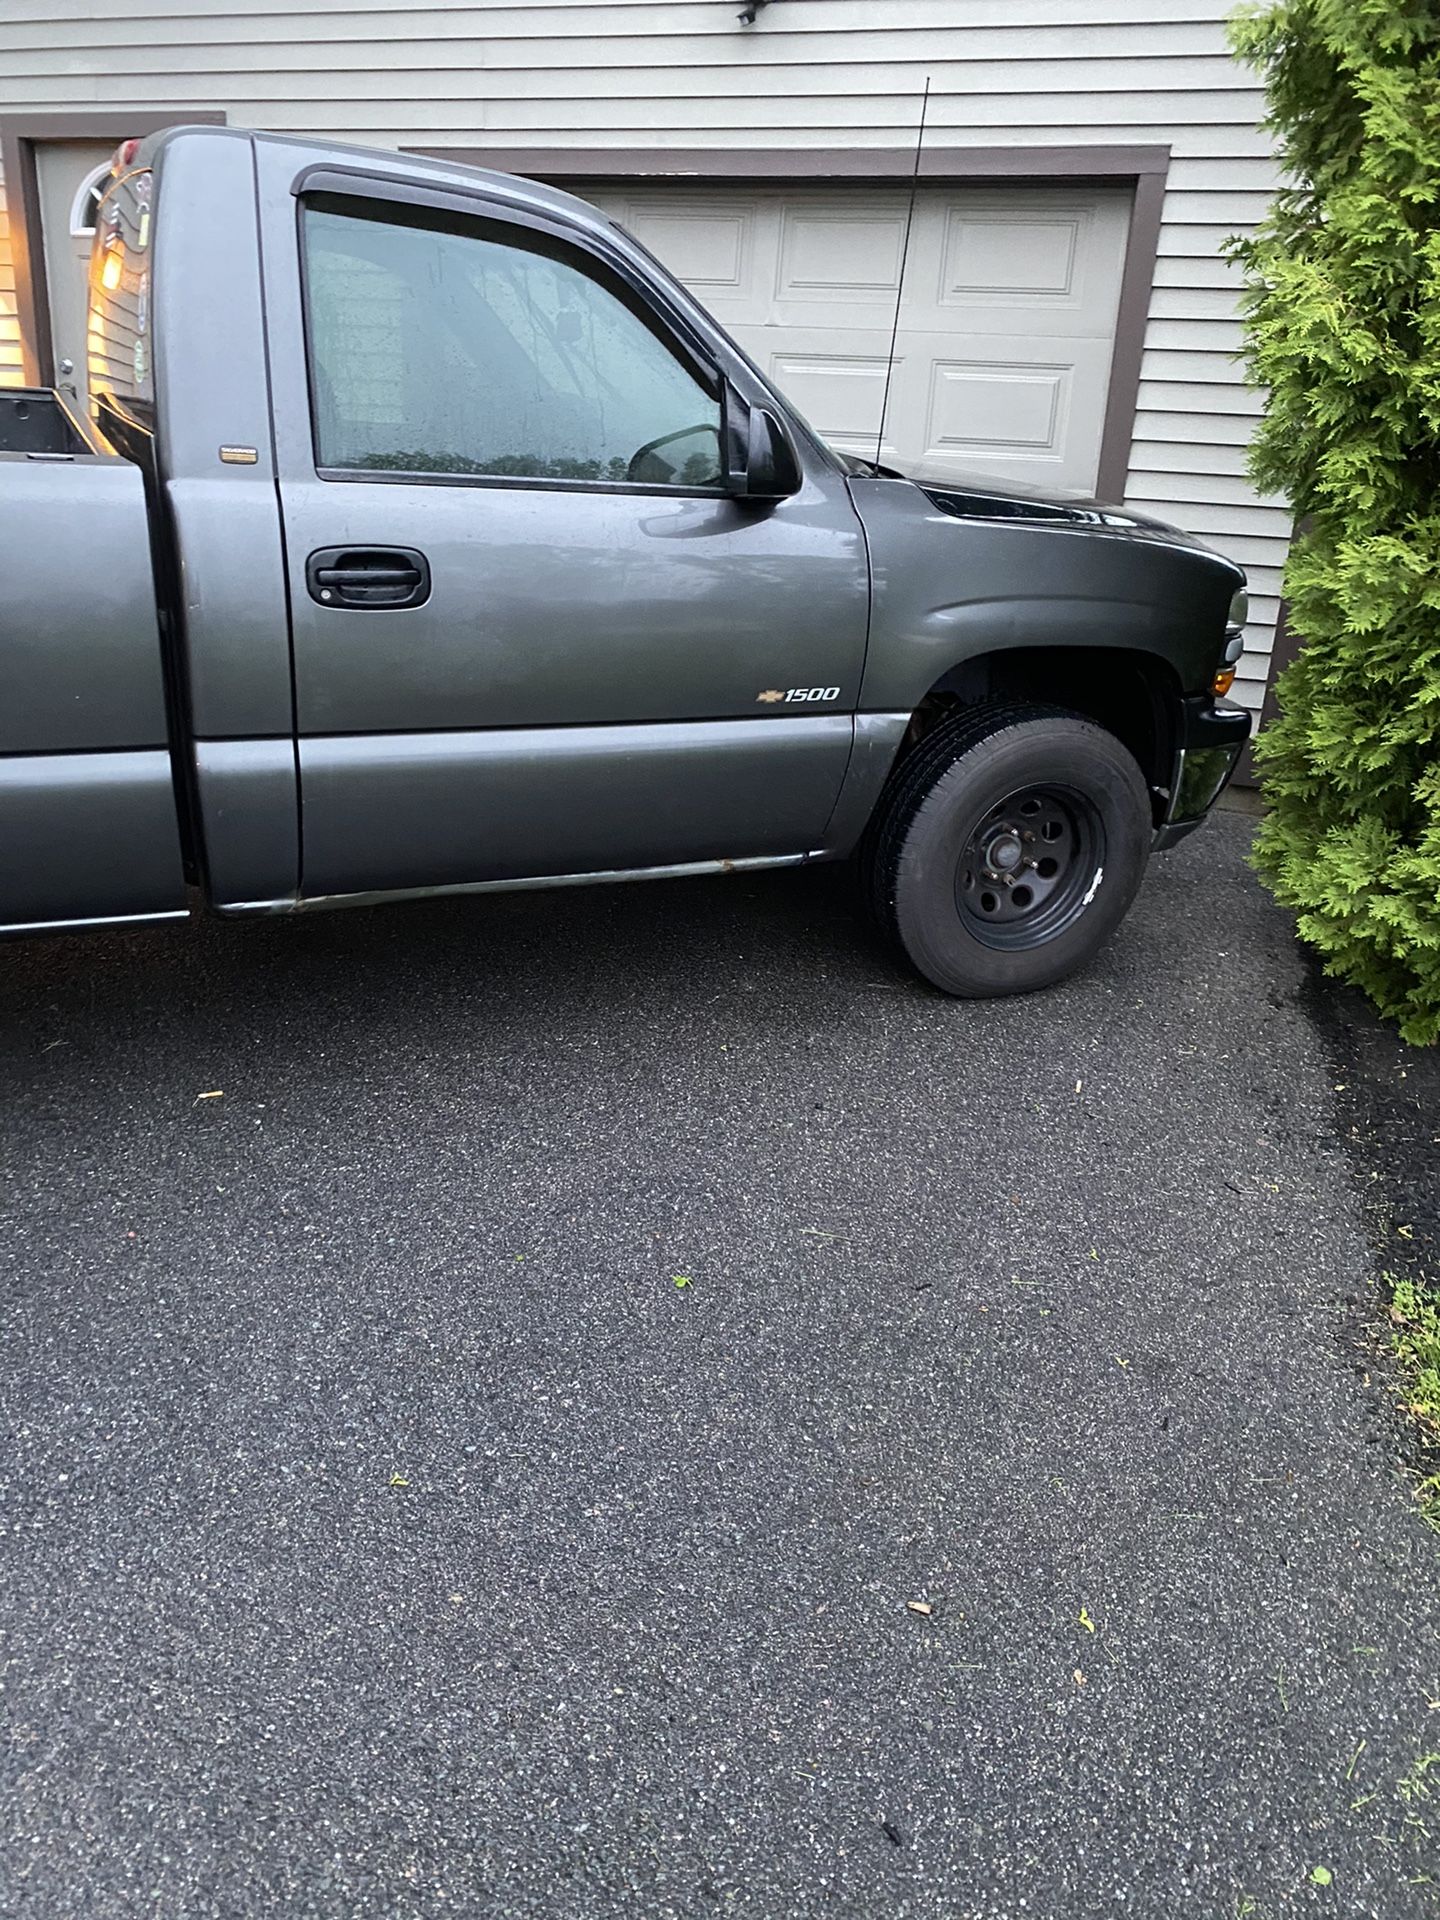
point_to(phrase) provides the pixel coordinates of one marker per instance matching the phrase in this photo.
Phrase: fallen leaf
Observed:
(398, 1480)
(919, 1606)
(682, 1280)
(215, 1093)
(1086, 1621)
(1322, 1876)
(456, 1599)
(1079, 1678)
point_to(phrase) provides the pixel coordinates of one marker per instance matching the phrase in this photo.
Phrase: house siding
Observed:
(633, 74)
(11, 366)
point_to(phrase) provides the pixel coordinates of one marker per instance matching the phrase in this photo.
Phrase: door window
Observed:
(453, 347)
(85, 208)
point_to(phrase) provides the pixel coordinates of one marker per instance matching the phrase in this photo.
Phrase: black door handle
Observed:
(378, 578)
(368, 576)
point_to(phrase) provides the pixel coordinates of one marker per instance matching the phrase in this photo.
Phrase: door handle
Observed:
(377, 578)
(368, 576)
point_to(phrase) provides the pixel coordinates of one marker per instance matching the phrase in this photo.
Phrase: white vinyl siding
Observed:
(658, 74)
(11, 370)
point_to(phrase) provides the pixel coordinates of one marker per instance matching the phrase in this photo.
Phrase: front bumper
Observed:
(1212, 733)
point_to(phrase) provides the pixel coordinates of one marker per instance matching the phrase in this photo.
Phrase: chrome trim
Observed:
(1201, 775)
(685, 870)
(97, 920)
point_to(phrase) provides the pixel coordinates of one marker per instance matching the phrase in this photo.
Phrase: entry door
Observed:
(532, 633)
(70, 175)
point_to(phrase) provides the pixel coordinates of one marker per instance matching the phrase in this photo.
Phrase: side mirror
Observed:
(760, 461)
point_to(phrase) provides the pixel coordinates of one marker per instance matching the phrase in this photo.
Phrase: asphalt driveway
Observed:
(387, 1533)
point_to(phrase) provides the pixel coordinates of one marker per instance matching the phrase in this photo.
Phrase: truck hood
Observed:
(976, 497)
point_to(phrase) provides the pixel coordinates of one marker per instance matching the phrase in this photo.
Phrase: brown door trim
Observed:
(782, 166)
(1137, 281)
(1143, 169)
(20, 134)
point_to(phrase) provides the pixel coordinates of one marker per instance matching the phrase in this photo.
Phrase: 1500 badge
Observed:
(793, 694)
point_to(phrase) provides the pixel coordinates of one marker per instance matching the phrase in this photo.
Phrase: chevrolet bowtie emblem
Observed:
(770, 696)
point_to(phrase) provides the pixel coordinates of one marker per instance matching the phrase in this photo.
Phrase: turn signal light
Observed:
(1224, 680)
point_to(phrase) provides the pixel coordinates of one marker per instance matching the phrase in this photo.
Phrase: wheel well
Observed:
(1132, 695)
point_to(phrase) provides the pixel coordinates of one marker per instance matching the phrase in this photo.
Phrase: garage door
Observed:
(1006, 329)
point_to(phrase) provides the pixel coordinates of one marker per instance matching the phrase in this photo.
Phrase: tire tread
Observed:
(946, 743)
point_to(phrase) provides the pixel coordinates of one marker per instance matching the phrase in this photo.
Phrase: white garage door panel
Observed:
(709, 244)
(849, 253)
(1008, 256)
(1029, 399)
(1048, 260)
(1006, 327)
(838, 385)
(987, 404)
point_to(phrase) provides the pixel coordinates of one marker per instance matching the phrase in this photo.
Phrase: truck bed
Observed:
(35, 420)
(88, 820)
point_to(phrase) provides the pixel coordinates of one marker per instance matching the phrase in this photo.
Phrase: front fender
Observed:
(945, 590)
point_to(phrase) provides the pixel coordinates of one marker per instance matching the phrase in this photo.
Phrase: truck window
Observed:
(441, 346)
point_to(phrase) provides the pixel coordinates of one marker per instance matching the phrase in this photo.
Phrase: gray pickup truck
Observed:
(428, 537)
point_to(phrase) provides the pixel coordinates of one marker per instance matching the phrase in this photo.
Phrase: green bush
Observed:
(1343, 329)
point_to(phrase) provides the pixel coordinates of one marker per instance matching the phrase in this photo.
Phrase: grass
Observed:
(1415, 1339)
(1415, 1785)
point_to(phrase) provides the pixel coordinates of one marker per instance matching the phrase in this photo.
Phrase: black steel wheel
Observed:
(1007, 848)
(1025, 870)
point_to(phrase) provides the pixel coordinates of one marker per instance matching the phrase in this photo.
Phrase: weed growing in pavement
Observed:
(1415, 1338)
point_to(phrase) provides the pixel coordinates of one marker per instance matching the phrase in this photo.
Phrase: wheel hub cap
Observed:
(1004, 852)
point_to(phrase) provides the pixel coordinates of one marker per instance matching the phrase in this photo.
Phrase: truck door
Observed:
(532, 633)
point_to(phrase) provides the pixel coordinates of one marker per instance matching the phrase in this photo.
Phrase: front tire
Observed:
(1007, 848)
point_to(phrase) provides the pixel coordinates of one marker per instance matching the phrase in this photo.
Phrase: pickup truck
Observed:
(426, 536)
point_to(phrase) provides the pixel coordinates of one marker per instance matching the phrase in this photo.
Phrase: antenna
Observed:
(904, 256)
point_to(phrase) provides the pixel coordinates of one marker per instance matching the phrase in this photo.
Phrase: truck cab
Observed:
(430, 537)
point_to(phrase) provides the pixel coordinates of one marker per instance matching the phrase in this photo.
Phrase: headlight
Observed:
(1234, 641)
